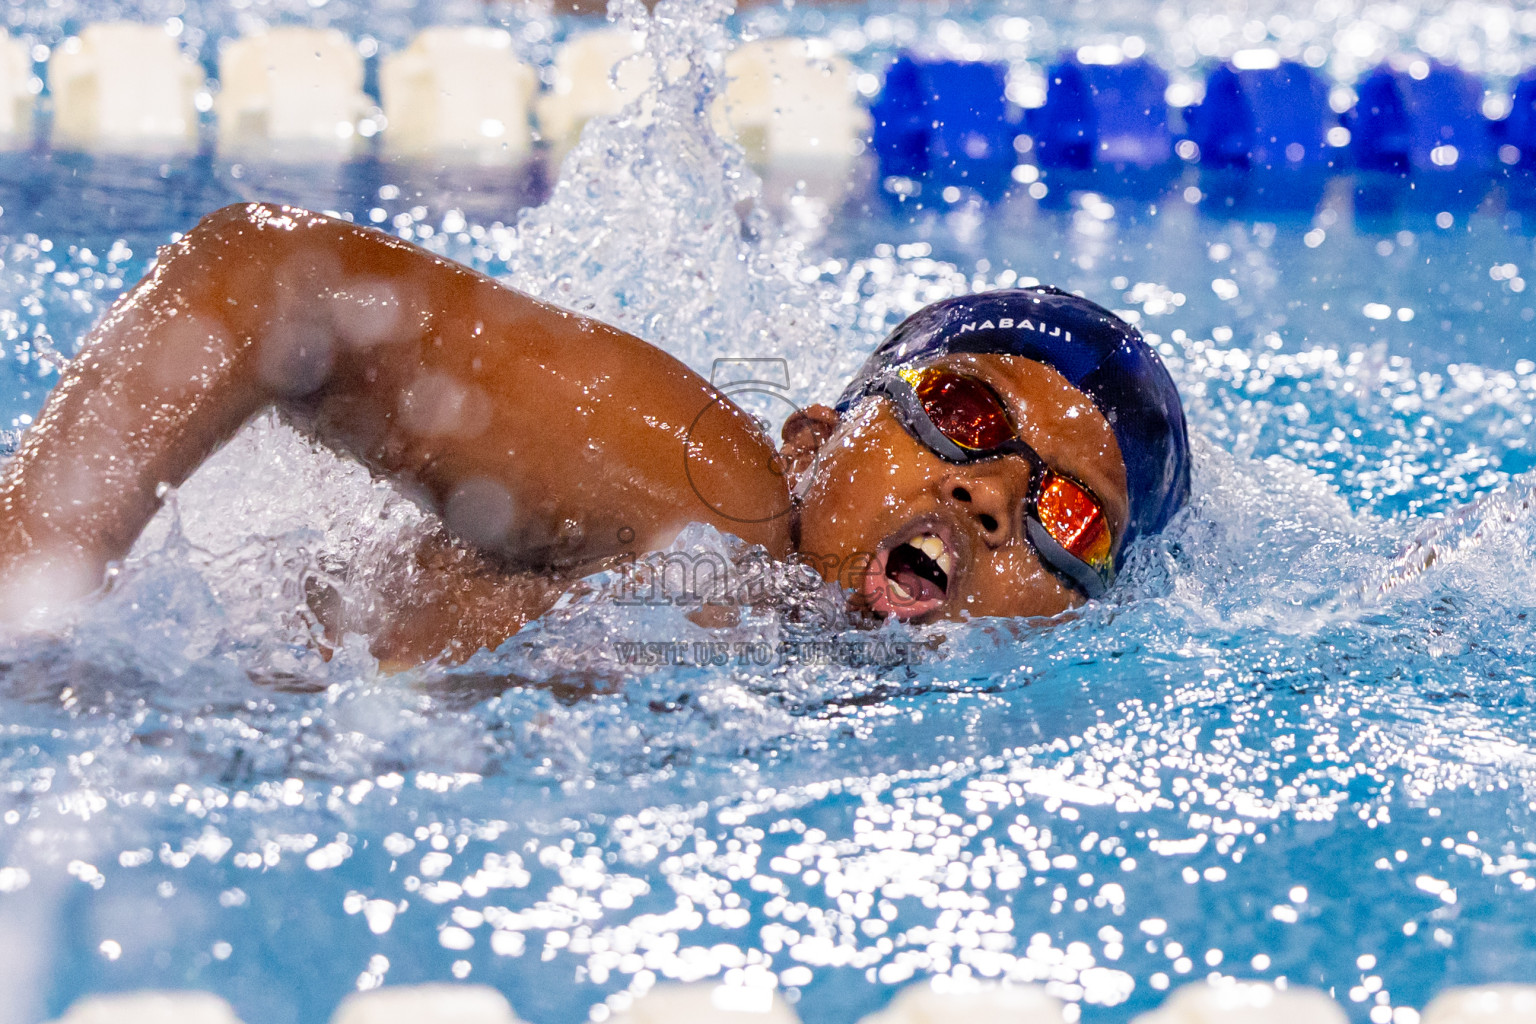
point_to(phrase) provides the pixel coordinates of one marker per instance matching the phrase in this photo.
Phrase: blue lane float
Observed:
(1516, 135)
(1260, 137)
(1517, 132)
(948, 122)
(1103, 115)
(1104, 127)
(1425, 120)
(1419, 137)
(1263, 118)
(1265, 134)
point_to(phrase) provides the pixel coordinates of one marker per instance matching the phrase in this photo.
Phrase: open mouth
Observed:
(911, 579)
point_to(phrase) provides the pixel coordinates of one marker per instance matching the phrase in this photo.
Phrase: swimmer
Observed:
(996, 455)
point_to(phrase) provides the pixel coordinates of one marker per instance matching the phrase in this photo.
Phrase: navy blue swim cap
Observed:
(1098, 353)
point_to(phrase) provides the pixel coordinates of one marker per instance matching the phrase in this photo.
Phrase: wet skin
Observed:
(873, 487)
(547, 442)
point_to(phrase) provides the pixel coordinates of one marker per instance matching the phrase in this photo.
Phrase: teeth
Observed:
(898, 590)
(934, 548)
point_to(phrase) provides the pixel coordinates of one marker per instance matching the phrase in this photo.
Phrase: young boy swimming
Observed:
(995, 456)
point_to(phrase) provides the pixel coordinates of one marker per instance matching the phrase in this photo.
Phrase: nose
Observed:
(991, 499)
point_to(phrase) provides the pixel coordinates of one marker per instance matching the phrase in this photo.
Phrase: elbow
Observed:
(238, 223)
(235, 215)
(255, 214)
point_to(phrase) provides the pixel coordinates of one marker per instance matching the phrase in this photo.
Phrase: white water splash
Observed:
(655, 224)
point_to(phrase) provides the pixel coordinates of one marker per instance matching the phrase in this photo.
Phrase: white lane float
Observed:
(1245, 1002)
(122, 86)
(595, 75)
(792, 99)
(458, 95)
(1483, 1004)
(991, 1004)
(18, 91)
(426, 1004)
(1219, 1002)
(292, 92)
(151, 1008)
(708, 1004)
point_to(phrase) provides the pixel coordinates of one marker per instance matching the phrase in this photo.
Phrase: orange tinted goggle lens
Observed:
(963, 409)
(1074, 519)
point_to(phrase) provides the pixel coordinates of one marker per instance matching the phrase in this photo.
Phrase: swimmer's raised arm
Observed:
(996, 454)
(547, 440)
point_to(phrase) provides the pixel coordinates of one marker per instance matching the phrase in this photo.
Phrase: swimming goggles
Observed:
(963, 420)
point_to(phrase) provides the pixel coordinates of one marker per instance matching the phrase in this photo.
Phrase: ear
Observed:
(804, 433)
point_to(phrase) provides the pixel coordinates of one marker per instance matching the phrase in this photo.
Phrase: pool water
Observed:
(1294, 743)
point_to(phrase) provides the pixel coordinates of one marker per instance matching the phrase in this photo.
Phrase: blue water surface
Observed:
(1294, 743)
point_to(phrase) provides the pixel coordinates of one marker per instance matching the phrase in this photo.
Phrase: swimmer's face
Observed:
(872, 488)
